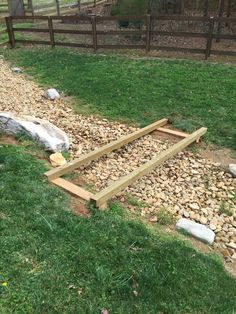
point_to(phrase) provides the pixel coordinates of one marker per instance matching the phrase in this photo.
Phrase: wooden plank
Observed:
(122, 32)
(179, 34)
(73, 45)
(40, 42)
(59, 171)
(73, 189)
(209, 39)
(51, 33)
(122, 18)
(148, 30)
(223, 53)
(72, 31)
(180, 18)
(122, 46)
(103, 196)
(192, 50)
(173, 132)
(31, 30)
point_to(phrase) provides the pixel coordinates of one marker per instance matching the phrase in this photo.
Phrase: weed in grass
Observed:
(135, 202)
(164, 217)
(226, 209)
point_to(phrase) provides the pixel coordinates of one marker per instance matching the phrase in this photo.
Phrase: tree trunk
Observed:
(16, 7)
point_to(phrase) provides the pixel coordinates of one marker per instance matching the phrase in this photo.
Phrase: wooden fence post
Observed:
(94, 29)
(148, 28)
(58, 7)
(94, 3)
(209, 38)
(220, 14)
(206, 8)
(10, 31)
(79, 5)
(51, 31)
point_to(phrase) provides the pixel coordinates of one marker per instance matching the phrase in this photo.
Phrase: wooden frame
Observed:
(100, 199)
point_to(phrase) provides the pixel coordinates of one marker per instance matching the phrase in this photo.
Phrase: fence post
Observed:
(51, 31)
(10, 31)
(58, 7)
(206, 8)
(79, 5)
(221, 12)
(209, 38)
(94, 30)
(94, 3)
(148, 29)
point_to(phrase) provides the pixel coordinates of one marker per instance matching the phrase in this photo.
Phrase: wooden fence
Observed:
(147, 33)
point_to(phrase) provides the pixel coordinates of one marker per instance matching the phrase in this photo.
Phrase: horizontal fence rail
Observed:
(145, 20)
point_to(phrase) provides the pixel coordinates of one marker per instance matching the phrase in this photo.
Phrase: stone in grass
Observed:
(57, 159)
(51, 94)
(16, 70)
(197, 230)
(232, 170)
(45, 133)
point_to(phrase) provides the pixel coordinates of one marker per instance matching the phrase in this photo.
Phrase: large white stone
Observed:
(232, 170)
(52, 94)
(45, 133)
(197, 230)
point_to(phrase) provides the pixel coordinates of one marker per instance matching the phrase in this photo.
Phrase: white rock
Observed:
(197, 230)
(51, 94)
(232, 170)
(45, 133)
(16, 70)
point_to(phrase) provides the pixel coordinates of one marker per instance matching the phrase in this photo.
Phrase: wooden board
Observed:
(102, 197)
(173, 132)
(59, 171)
(73, 189)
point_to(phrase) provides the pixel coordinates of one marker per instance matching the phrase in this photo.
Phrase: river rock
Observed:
(197, 230)
(42, 131)
(232, 170)
(51, 94)
(57, 159)
(16, 70)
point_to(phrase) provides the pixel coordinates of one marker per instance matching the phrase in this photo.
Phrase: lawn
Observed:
(190, 93)
(55, 262)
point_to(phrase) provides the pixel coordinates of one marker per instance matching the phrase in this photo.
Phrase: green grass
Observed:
(190, 93)
(55, 262)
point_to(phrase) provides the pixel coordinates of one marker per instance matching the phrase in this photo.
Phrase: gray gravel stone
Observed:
(232, 170)
(52, 94)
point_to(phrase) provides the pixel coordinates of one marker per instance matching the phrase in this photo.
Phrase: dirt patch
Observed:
(78, 208)
(222, 156)
(8, 140)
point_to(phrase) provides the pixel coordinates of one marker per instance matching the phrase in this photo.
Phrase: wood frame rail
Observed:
(100, 199)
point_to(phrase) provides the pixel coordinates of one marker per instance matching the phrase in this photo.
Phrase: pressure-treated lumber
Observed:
(73, 189)
(173, 132)
(101, 197)
(58, 172)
